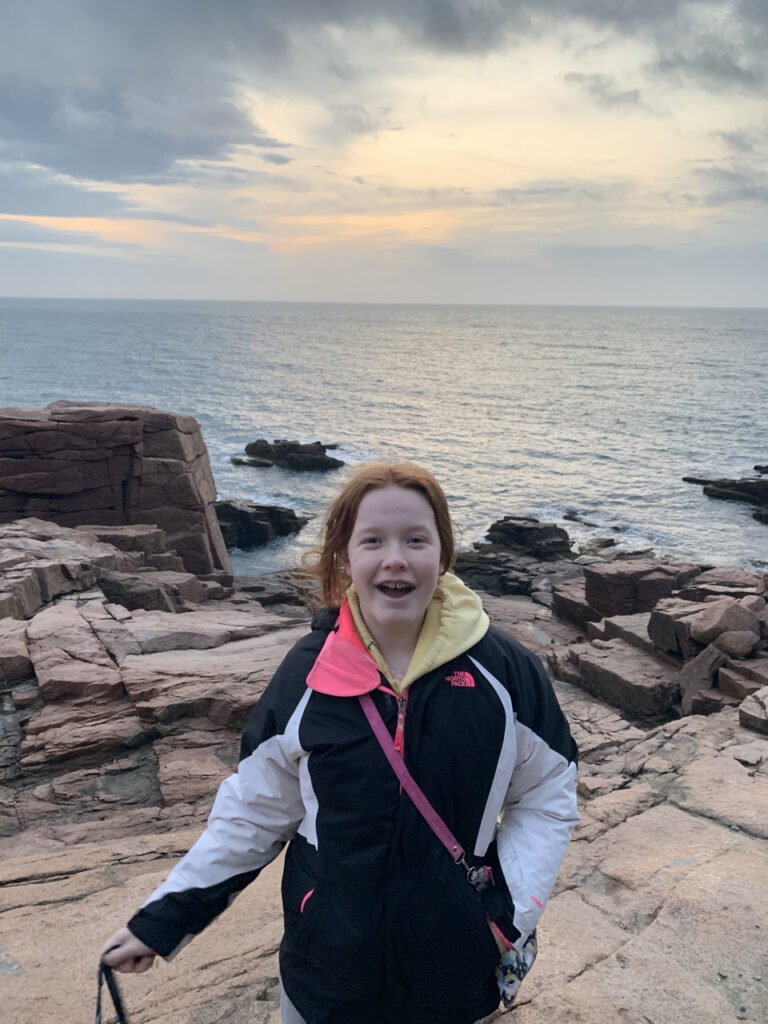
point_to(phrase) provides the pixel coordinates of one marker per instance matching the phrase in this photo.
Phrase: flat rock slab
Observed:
(230, 976)
(628, 678)
(222, 684)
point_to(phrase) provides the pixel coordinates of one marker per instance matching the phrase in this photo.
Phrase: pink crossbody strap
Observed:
(409, 784)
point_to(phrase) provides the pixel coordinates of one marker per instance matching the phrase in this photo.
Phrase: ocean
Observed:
(517, 409)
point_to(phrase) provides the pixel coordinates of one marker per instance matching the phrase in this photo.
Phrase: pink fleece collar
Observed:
(343, 667)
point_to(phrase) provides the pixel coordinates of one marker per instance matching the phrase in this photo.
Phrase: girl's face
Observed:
(393, 558)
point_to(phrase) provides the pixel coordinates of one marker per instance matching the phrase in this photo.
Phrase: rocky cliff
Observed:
(78, 463)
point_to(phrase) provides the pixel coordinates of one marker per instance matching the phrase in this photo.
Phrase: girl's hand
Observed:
(125, 953)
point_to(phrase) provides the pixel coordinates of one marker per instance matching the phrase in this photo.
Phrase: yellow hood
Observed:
(454, 622)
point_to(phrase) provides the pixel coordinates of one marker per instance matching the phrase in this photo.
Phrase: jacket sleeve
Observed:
(256, 811)
(539, 811)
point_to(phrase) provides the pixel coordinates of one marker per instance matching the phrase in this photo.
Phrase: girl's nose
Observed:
(393, 555)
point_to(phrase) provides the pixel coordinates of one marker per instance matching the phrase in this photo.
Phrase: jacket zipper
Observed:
(400, 730)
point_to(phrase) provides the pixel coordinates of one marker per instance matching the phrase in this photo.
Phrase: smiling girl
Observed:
(383, 923)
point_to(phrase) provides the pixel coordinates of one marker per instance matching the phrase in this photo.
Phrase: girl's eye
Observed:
(416, 540)
(370, 540)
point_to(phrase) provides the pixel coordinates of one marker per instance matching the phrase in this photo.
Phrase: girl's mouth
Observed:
(395, 589)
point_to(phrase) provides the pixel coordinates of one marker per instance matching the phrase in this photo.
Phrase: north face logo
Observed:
(460, 679)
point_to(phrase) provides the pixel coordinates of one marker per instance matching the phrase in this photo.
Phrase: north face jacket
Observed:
(380, 924)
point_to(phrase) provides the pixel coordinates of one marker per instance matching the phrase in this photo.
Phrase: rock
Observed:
(221, 684)
(523, 533)
(635, 585)
(505, 574)
(738, 643)
(699, 674)
(152, 590)
(753, 712)
(83, 462)
(40, 561)
(726, 581)
(669, 626)
(292, 455)
(750, 489)
(65, 731)
(627, 678)
(721, 616)
(760, 469)
(14, 654)
(151, 632)
(732, 682)
(245, 524)
(570, 602)
(276, 588)
(68, 659)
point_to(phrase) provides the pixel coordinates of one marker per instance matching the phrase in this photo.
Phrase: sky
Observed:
(610, 152)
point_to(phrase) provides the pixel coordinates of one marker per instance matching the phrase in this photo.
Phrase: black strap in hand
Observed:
(105, 974)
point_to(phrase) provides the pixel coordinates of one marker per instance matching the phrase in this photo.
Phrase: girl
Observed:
(382, 924)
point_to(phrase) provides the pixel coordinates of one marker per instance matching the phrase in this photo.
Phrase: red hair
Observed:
(340, 521)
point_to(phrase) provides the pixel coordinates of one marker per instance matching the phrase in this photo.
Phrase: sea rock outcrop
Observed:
(77, 463)
(246, 524)
(309, 457)
(752, 489)
(521, 556)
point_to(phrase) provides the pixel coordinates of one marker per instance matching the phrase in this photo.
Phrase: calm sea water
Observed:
(516, 409)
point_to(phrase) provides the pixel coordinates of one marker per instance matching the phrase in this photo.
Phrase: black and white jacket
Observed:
(380, 924)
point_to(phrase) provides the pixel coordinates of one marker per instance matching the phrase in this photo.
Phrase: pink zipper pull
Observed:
(400, 730)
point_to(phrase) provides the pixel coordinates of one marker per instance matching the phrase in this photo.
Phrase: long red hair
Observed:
(326, 563)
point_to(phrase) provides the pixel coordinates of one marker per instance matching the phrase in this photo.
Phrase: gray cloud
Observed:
(277, 158)
(604, 90)
(716, 65)
(27, 189)
(14, 232)
(139, 91)
(726, 186)
(739, 142)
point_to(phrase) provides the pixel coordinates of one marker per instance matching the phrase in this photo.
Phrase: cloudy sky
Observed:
(544, 151)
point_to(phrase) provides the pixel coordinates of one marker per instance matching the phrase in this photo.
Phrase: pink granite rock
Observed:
(753, 712)
(738, 643)
(634, 585)
(628, 678)
(699, 674)
(669, 626)
(79, 463)
(725, 581)
(721, 616)
(14, 654)
(68, 659)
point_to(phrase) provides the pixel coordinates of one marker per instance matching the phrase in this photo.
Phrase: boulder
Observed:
(293, 455)
(669, 626)
(152, 589)
(721, 616)
(634, 585)
(81, 463)
(246, 524)
(526, 534)
(753, 712)
(738, 643)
